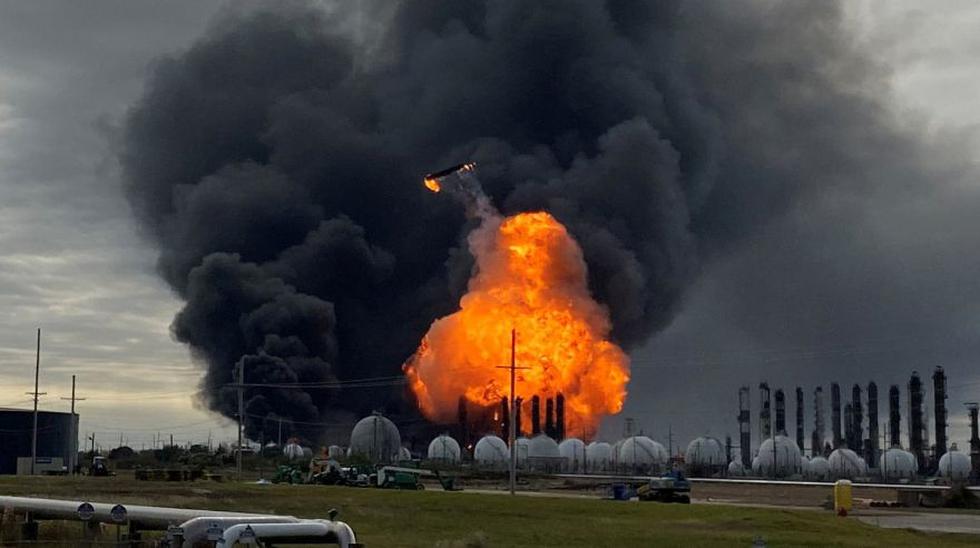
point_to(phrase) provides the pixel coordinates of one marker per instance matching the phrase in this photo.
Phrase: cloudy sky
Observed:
(73, 263)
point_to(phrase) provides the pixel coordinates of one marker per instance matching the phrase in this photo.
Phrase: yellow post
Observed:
(843, 500)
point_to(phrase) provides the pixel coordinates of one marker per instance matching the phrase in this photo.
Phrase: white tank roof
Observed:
(376, 437)
(704, 451)
(736, 468)
(954, 465)
(897, 463)
(572, 449)
(641, 451)
(444, 448)
(404, 453)
(846, 464)
(491, 450)
(786, 454)
(542, 446)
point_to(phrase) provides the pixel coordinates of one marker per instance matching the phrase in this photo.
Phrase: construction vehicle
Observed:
(99, 467)
(398, 477)
(670, 487)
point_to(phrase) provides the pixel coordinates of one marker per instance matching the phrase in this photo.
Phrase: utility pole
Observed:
(73, 456)
(36, 394)
(241, 414)
(280, 431)
(512, 431)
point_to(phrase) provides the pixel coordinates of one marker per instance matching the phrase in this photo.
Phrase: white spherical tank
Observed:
(491, 451)
(598, 456)
(846, 464)
(804, 466)
(818, 469)
(954, 465)
(573, 451)
(307, 452)
(444, 448)
(522, 444)
(736, 469)
(778, 457)
(335, 452)
(896, 464)
(641, 452)
(404, 453)
(376, 438)
(292, 451)
(542, 446)
(705, 452)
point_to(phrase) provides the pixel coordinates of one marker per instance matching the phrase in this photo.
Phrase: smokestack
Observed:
(849, 427)
(744, 426)
(462, 423)
(535, 415)
(799, 418)
(560, 416)
(728, 448)
(518, 403)
(939, 391)
(894, 417)
(974, 439)
(857, 414)
(504, 418)
(549, 417)
(765, 416)
(875, 446)
(780, 413)
(816, 442)
(835, 414)
(916, 422)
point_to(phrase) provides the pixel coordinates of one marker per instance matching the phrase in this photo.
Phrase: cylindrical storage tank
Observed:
(598, 456)
(705, 456)
(573, 451)
(492, 452)
(640, 453)
(376, 438)
(445, 449)
(292, 451)
(897, 464)
(335, 452)
(736, 469)
(778, 457)
(818, 469)
(954, 465)
(846, 464)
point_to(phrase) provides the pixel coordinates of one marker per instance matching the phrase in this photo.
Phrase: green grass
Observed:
(430, 518)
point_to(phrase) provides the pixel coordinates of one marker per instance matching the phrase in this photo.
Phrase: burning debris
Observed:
(530, 276)
(432, 180)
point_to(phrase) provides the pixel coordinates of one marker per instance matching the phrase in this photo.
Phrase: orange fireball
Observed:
(529, 276)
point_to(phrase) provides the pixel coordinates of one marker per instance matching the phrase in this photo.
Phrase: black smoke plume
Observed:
(277, 163)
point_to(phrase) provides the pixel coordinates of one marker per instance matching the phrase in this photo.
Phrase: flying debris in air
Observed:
(432, 179)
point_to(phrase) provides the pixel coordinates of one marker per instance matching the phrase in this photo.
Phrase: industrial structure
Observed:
(835, 414)
(872, 444)
(916, 420)
(799, 417)
(939, 392)
(894, 417)
(744, 427)
(765, 416)
(57, 442)
(816, 441)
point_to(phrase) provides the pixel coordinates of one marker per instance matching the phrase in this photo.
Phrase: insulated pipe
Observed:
(146, 517)
(310, 531)
(196, 529)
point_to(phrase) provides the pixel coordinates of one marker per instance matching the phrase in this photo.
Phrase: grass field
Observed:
(384, 518)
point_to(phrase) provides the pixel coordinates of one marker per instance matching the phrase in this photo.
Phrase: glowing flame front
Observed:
(529, 276)
(432, 184)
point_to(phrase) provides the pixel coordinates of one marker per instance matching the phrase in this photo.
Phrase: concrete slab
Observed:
(925, 521)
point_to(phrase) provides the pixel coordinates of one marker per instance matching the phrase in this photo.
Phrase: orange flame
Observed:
(531, 277)
(432, 184)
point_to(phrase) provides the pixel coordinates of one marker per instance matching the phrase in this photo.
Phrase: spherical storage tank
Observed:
(491, 451)
(377, 438)
(705, 452)
(404, 453)
(736, 469)
(335, 452)
(954, 465)
(778, 457)
(598, 456)
(846, 464)
(523, 445)
(444, 448)
(292, 451)
(896, 464)
(641, 452)
(818, 469)
(573, 451)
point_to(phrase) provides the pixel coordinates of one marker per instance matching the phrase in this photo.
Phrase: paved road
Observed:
(925, 521)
